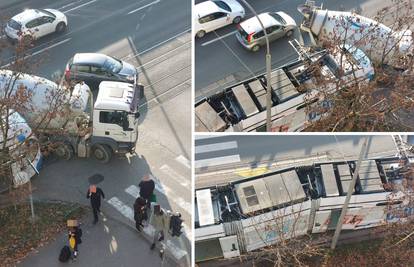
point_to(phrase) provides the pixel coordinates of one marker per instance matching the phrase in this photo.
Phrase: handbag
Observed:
(153, 198)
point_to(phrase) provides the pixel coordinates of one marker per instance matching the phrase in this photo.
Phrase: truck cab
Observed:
(115, 118)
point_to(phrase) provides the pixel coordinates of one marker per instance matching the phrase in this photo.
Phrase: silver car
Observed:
(277, 24)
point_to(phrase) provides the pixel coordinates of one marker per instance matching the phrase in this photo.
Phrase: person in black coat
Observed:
(140, 212)
(146, 188)
(95, 194)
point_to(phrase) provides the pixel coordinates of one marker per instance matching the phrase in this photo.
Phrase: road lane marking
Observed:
(174, 175)
(217, 161)
(140, 8)
(41, 51)
(201, 137)
(122, 208)
(77, 7)
(156, 45)
(183, 160)
(218, 38)
(70, 4)
(215, 147)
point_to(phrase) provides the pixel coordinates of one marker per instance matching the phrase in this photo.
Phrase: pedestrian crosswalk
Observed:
(211, 151)
(169, 180)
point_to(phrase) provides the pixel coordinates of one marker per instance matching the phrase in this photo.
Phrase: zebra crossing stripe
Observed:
(215, 147)
(174, 175)
(183, 160)
(217, 161)
(133, 190)
(122, 208)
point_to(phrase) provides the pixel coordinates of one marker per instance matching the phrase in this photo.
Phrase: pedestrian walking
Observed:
(140, 212)
(95, 194)
(74, 236)
(146, 188)
(159, 222)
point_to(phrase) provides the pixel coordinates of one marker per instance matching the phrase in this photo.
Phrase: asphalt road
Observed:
(99, 25)
(237, 151)
(221, 61)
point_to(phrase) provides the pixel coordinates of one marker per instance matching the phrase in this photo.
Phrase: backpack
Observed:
(176, 225)
(64, 254)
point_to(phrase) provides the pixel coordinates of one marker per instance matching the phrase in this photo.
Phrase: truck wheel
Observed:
(64, 151)
(102, 153)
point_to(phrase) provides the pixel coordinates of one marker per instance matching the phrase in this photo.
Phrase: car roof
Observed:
(205, 8)
(252, 25)
(28, 15)
(89, 58)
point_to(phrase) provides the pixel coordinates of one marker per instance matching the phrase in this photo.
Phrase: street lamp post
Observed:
(268, 71)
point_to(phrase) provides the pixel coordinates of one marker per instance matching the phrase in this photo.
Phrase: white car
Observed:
(214, 14)
(35, 23)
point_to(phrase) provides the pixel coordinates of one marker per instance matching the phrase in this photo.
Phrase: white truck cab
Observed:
(115, 116)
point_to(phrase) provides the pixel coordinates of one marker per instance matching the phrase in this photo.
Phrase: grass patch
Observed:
(19, 236)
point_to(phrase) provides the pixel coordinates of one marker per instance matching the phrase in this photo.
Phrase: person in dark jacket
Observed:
(95, 194)
(140, 212)
(146, 188)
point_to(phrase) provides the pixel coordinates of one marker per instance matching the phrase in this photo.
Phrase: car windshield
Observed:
(243, 33)
(47, 13)
(278, 18)
(113, 64)
(14, 25)
(223, 5)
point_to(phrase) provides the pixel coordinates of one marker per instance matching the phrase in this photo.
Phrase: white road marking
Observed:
(218, 38)
(215, 147)
(217, 161)
(70, 4)
(149, 229)
(177, 252)
(156, 45)
(174, 175)
(183, 160)
(41, 50)
(201, 137)
(140, 8)
(133, 190)
(122, 208)
(77, 7)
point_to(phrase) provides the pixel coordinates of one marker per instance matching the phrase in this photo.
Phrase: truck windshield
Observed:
(14, 25)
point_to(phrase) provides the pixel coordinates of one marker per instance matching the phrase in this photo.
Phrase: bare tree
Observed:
(385, 103)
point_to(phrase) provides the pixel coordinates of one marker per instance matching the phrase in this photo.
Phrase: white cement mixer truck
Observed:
(79, 127)
(25, 158)
(379, 42)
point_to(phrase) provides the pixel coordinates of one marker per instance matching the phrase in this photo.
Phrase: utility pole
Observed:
(31, 193)
(349, 194)
(268, 71)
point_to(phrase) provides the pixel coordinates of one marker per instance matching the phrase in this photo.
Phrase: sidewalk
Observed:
(108, 243)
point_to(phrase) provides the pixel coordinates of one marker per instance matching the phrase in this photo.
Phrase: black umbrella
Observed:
(96, 178)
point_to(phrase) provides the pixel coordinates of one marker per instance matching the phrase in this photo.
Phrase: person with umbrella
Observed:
(95, 194)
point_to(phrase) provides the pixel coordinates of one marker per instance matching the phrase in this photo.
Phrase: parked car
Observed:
(35, 23)
(277, 24)
(93, 68)
(215, 14)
